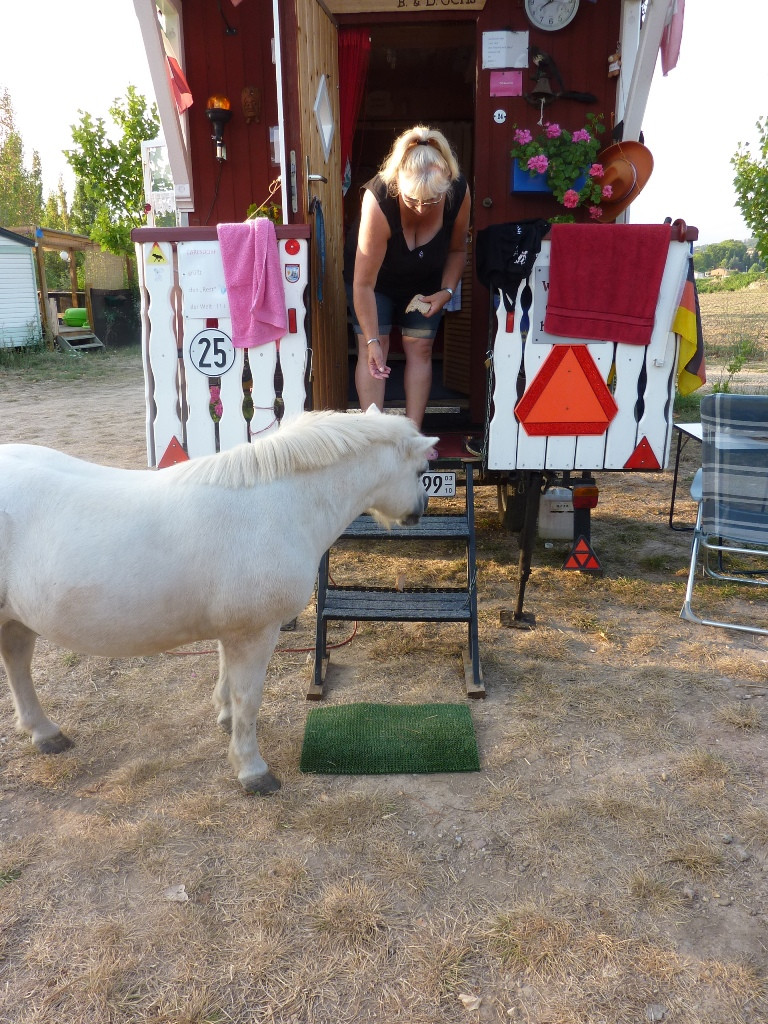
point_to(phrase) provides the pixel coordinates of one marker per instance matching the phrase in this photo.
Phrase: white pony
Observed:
(123, 562)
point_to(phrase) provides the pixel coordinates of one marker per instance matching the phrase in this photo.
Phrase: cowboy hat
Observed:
(627, 167)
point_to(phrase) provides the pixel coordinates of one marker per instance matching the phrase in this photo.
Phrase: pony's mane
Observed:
(310, 441)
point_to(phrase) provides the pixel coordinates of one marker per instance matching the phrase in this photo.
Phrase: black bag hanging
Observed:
(505, 254)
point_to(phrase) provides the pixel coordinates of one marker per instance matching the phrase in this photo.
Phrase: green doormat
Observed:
(388, 739)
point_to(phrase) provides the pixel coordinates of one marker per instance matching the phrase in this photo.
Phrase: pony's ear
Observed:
(373, 410)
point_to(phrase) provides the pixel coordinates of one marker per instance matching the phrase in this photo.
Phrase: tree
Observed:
(751, 184)
(109, 190)
(21, 191)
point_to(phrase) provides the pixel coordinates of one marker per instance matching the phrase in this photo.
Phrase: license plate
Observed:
(439, 485)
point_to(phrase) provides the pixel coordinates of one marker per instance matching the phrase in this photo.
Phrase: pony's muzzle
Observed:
(413, 517)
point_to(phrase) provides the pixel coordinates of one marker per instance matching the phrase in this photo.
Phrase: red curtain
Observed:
(354, 54)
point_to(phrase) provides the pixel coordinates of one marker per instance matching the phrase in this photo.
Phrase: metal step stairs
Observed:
(412, 604)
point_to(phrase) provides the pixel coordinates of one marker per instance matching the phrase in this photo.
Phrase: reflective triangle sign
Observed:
(567, 396)
(582, 557)
(173, 453)
(643, 457)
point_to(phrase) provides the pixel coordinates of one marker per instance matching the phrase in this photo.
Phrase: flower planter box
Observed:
(522, 181)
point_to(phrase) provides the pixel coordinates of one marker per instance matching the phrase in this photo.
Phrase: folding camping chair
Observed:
(731, 533)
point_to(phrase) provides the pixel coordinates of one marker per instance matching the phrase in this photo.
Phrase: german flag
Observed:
(691, 373)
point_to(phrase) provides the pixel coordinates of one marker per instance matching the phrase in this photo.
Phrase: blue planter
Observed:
(522, 181)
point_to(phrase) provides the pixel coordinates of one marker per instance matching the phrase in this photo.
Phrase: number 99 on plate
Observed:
(439, 485)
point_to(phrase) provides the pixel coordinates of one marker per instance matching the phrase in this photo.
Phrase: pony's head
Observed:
(399, 496)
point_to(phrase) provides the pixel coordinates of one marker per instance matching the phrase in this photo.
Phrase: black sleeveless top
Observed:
(404, 271)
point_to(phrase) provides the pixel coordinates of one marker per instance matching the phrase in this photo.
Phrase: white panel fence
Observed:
(642, 380)
(187, 349)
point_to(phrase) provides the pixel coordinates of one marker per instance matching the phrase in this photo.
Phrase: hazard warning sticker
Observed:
(582, 557)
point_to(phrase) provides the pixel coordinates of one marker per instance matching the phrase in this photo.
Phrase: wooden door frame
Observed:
(329, 375)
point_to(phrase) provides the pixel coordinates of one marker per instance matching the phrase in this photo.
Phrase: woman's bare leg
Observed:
(418, 377)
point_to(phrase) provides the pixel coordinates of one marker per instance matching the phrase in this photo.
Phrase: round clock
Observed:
(551, 15)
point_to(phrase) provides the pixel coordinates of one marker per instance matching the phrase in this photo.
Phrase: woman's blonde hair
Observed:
(423, 158)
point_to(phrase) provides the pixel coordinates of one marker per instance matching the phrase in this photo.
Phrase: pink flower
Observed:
(607, 191)
(581, 135)
(522, 136)
(596, 171)
(554, 131)
(571, 198)
(215, 393)
(595, 212)
(538, 163)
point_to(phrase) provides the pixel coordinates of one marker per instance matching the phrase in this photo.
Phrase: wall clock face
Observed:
(551, 15)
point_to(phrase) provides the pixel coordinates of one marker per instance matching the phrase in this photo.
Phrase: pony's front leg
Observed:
(246, 667)
(17, 645)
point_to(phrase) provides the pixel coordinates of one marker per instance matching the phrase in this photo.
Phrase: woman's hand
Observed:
(377, 366)
(436, 301)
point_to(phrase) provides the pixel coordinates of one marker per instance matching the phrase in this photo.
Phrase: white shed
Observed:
(19, 306)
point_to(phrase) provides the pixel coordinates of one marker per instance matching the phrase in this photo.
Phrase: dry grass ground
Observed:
(608, 864)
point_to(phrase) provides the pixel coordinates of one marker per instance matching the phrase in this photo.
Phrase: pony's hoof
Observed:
(261, 784)
(54, 744)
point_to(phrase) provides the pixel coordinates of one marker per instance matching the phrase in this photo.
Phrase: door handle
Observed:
(487, 202)
(312, 177)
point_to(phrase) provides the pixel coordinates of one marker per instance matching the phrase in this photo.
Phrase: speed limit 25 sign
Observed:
(211, 352)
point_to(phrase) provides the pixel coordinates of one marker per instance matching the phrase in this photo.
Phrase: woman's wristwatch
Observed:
(445, 288)
(371, 341)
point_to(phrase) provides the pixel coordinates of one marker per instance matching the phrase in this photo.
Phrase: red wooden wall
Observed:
(581, 52)
(218, 62)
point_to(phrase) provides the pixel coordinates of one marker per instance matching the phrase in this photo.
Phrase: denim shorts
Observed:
(391, 313)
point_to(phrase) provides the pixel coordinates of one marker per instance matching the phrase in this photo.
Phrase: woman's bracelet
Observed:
(445, 288)
(371, 341)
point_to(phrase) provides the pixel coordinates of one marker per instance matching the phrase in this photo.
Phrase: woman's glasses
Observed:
(410, 201)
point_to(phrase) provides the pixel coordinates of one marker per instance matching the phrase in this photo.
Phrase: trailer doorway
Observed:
(421, 72)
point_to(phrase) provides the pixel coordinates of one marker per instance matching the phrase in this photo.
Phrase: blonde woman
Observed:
(412, 241)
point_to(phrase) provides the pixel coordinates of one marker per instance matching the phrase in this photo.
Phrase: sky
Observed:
(62, 56)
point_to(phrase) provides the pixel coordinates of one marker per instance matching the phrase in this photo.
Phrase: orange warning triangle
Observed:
(567, 396)
(173, 453)
(643, 457)
(582, 557)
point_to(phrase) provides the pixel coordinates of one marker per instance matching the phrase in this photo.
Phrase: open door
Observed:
(310, 91)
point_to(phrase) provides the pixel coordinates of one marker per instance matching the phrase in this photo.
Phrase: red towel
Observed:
(254, 281)
(604, 280)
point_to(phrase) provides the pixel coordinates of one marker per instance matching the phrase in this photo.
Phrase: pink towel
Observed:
(672, 36)
(604, 280)
(254, 282)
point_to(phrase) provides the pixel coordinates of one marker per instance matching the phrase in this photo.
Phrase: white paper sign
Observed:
(505, 49)
(201, 275)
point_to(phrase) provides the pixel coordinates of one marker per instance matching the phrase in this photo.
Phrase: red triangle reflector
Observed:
(173, 453)
(582, 557)
(567, 396)
(643, 457)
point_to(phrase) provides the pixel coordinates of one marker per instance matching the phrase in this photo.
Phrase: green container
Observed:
(75, 317)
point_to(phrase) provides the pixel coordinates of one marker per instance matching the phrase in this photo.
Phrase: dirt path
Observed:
(607, 865)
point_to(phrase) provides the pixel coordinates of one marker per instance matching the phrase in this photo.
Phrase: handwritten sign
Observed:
(201, 275)
(505, 49)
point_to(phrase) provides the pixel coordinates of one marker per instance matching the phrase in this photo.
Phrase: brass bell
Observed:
(542, 90)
